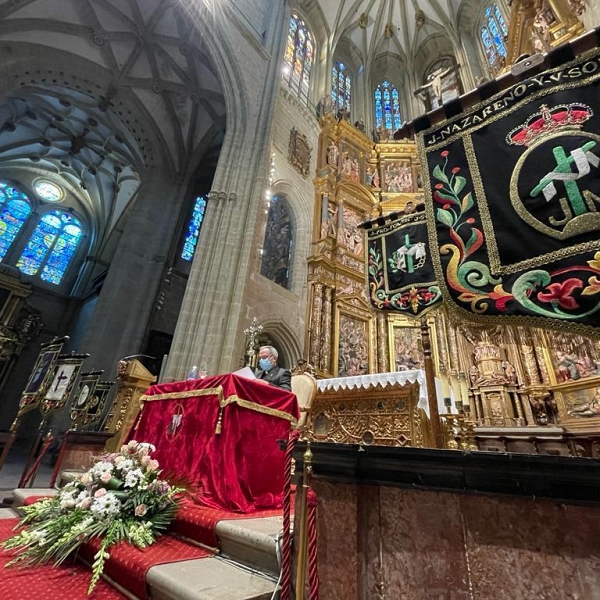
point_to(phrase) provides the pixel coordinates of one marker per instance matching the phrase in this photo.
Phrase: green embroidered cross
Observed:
(582, 157)
(410, 268)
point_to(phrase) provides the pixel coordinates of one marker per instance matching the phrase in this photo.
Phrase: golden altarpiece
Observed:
(525, 389)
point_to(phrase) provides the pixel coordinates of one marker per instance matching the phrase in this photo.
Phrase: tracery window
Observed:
(341, 87)
(15, 207)
(51, 246)
(193, 230)
(278, 244)
(493, 34)
(387, 107)
(298, 57)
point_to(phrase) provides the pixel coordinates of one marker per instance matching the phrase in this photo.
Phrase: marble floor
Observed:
(13, 468)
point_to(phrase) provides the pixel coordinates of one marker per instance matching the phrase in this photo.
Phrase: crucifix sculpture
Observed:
(251, 334)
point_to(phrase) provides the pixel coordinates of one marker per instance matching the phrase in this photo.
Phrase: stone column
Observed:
(213, 313)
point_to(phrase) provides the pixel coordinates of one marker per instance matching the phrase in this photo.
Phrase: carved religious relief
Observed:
(353, 348)
(299, 152)
(349, 235)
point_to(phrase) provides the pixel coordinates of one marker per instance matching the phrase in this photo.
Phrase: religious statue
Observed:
(474, 376)
(332, 154)
(355, 170)
(588, 409)
(436, 82)
(382, 134)
(360, 125)
(346, 165)
(578, 6)
(343, 114)
(510, 372)
(324, 106)
(542, 22)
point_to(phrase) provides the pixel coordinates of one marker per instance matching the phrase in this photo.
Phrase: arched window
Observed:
(387, 107)
(493, 34)
(15, 207)
(340, 87)
(298, 57)
(193, 231)
(279, 240)
(51, 246)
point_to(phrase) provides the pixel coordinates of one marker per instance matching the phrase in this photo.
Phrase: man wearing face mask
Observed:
(268, 370)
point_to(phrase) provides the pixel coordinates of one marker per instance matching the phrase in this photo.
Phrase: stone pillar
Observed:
(213, 313)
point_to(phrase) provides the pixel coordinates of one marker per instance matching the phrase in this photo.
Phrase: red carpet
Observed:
(198, 522)
(69, 581)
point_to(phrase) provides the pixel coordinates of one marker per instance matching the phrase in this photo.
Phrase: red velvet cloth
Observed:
(240, 469)
(128, 565)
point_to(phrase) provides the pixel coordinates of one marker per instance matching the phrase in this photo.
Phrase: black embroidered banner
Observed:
(513, 200)
(400, 273)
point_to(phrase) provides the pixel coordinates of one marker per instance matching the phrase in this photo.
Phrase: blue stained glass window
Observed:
(298, 57)
(387, 106)
(15, 209)
(341, 87)
(493, 33)
(53, 242)
(191, 238)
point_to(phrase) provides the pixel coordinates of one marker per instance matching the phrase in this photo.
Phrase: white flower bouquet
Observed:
(120, 498)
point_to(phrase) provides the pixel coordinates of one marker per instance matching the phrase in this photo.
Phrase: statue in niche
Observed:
(578, 6)
(542, 22)
(346, 165)
(332, 154)
(328, 214)
(355, 170)
(510, 372)
(351, 236)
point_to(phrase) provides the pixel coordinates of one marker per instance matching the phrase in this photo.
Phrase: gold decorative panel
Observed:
(373, 416)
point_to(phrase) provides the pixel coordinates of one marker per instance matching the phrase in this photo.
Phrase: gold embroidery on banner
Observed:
(217, 391)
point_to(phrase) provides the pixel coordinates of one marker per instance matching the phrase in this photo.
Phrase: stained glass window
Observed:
(191, 237)
(341, 87)
(15, 208)
(387, 107)
(278, 244)
(51, 246)
(298, 57)
(493, 34)
(47, 191)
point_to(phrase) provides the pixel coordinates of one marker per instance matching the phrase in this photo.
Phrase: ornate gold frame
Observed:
(355, 308)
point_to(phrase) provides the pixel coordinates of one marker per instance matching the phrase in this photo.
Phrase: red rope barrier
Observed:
(313, 567)
(286, 538)
(25, 480)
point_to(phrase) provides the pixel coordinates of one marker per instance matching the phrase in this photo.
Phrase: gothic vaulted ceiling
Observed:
(397, 27)
(109, 88)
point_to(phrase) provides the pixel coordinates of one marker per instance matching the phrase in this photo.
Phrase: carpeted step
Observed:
(208, 579)
(24, 496)
(251, 542)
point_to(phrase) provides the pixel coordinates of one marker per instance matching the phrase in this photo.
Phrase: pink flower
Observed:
(119, 460)
(456, 170)
(152, 465)
(145, 460)
(85, 504)
(439, 186)
(86, 479)
(99, 493)
(105, 477)
(140, 510)
(445, 153)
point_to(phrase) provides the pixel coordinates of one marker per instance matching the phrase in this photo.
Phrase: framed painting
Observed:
(405, 346)
(355, 342)
(398, 177)
(572, 357)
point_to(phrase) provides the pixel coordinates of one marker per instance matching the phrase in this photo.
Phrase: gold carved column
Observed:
(326, 330)
(133, 380)
(314, 357)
